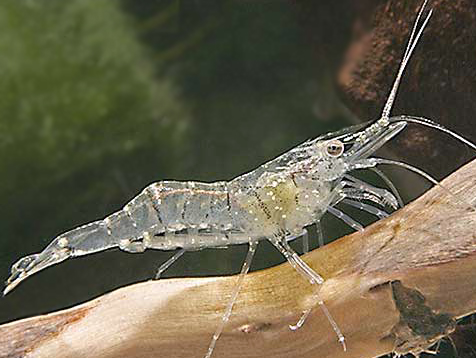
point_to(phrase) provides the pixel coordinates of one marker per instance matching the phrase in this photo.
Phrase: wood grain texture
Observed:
(398, 285)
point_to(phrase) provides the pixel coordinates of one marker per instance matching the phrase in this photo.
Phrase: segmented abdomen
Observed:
(171, 214)
(182, 205)
(165, 215)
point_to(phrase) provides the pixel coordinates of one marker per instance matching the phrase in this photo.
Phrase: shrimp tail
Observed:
(84, 240)
(31, 264)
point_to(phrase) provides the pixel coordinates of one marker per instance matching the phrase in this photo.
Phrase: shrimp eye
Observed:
(335, 148)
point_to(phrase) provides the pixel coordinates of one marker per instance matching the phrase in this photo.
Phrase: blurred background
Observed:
(100, 98)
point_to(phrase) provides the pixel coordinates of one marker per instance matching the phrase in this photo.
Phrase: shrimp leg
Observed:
(313, 277)
(387, 197)
(234, 295)
(390, 184)
(320, 234)
(345, 218)
(169, 263)
(357, 194)
(305, 240)
(372, 162)
(366, 207)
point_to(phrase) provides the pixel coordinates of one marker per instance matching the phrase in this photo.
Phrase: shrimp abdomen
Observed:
(165, 216)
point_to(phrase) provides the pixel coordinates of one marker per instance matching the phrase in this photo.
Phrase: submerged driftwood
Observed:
(397, 286)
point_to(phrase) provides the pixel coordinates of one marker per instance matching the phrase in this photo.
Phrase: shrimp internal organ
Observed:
(276, 201)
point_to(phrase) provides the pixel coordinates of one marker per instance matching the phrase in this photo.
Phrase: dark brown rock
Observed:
(439, 83)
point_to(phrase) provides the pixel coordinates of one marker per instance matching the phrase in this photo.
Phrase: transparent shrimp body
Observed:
(287, 194)
(276, 201)
(165, 215)
(280, 197)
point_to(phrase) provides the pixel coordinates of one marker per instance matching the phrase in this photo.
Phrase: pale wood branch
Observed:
(426, 250)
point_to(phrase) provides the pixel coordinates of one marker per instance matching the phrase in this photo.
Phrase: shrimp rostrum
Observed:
(274, 202)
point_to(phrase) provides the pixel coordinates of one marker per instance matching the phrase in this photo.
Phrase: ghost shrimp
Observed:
(274, 202)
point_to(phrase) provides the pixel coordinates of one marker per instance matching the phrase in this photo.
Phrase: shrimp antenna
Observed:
(429, 123)
(372, 162)
(412, 42)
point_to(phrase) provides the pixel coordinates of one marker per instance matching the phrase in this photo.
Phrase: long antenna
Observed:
(412, 41)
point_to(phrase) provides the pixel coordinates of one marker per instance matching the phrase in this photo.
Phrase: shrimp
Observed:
(274, 202)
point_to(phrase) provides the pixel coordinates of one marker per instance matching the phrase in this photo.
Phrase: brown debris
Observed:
(420, 326)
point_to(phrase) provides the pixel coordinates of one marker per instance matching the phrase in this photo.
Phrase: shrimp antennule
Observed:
(412, 42)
